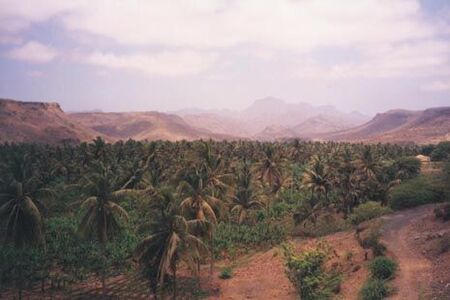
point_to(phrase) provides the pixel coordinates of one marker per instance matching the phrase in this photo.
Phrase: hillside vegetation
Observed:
(161, 209)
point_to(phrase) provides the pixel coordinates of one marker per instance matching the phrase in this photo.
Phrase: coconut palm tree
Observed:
(199, 201)
(368, 164)
(20, 207)
(245, 197)
(317, 179)
(170, 239)
(269, 169)
(102, 218)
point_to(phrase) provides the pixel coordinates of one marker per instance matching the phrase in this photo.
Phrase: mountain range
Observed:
(266, 119)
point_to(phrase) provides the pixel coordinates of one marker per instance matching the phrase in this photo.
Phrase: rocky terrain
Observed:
(401, 126)
(266, 119)
(143, 126)
(39, 122)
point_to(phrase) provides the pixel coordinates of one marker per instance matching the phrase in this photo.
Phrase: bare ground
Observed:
(423, 273)
(263, 275)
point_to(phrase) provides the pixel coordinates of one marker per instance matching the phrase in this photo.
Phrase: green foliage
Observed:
(371, 239)
(427, 149)
(418, 191)
(308, 274)
(26, 264)
(407, 167)
(226, 273)
(281, 209)
(374, 289)
(382, 268)
(80, 258)
(324, 225)
(367, 211)
(441, 152)
(208, 176)
(230, 237)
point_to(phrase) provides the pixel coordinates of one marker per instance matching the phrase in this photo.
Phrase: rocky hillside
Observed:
(143, 126)
(39, 122)
(43, 122)
(271, 118)
(401, 126)
(267, 119)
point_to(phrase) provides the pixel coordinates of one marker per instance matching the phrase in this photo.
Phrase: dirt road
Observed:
(414, 276)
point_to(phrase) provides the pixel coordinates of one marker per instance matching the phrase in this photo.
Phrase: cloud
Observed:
(437, 86)
(285, 24)
(33, 52)
(426, 58)
(160, 63)
(393, 37)
(298, 25)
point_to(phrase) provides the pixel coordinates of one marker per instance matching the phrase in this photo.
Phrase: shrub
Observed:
(443, 212)
(226, 273)
(374, 289)
(441, 152)
(307, 272)
(371, 239)
(382, 268)
(229, 237)
(367, 211)
(415, 192)
(427, 149)
(280, 209)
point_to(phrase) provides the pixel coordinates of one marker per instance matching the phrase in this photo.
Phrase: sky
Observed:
(135, 55)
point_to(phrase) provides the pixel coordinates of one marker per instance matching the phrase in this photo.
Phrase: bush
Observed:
(307, 272)
(374, 290)
(371, 239)
(443, 212)
(229, 237)
(415, 192)
(441, 152)
(427, 149)
(226, 273)
(382, 268)
(367, 211)
(280, 209)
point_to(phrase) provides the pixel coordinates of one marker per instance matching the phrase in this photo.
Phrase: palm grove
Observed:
(99, 209)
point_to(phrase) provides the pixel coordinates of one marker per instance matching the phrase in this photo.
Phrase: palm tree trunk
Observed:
(103, 283)
(20, 283)
(211, 267)
(103, 271)
(175, 282)
(198, 273)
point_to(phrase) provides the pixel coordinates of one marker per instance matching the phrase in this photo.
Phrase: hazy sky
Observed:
(127, 55)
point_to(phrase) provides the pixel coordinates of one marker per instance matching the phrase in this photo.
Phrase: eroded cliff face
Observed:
(40, 122)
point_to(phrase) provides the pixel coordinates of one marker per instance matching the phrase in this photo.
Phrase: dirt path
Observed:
(414, 276)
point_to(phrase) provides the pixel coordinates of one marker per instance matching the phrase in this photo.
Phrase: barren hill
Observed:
(217, 123)
(39, 122)
(43, 122)
(401, 126)
(143, 126)
(326, 123)
(272, 118)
